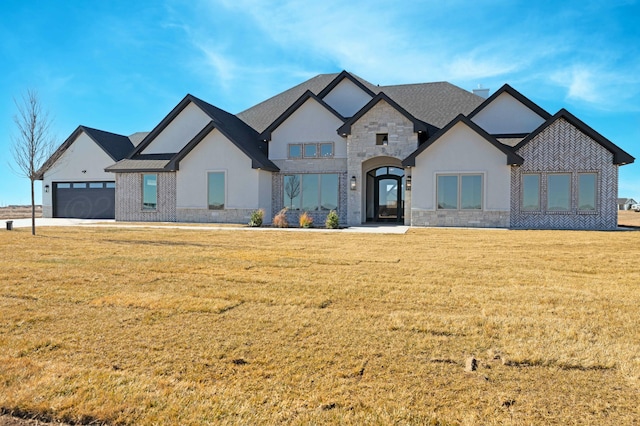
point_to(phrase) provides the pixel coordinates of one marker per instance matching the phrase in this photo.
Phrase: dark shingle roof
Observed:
(234, 129)
(128, 165)
(433, 103)
(260, 116)
(116, 146)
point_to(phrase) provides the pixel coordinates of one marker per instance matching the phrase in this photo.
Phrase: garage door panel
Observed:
(85, 201)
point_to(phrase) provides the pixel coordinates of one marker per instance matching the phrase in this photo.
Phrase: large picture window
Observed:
(565, 192)
(215, 190)
(531, 192)
(460, 191)
(149, 192)
(311, 192)
(587, 191)
(559, 192)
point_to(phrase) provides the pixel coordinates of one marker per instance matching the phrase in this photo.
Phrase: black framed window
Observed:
(215, 190)
(149, 191)
(459, 191)
(311, 192)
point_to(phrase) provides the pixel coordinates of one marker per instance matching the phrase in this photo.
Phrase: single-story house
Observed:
(428, 154)
(626, 203)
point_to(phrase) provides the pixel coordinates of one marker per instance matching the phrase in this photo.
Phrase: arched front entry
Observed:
(385, 194)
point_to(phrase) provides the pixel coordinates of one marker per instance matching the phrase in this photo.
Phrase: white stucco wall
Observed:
(216, 153)
(347, 98)
(83, 154)
(310, 123)
(265, 185)
(461, 151)
(507, 115)
(179, 132)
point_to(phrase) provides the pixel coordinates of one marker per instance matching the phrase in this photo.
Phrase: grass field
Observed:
(139, 326)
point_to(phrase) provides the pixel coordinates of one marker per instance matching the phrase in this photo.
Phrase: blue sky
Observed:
(121, 66)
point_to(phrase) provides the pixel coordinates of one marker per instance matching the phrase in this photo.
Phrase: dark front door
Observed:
(388, 205)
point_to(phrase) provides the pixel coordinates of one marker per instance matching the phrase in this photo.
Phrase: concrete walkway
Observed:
(371, 229)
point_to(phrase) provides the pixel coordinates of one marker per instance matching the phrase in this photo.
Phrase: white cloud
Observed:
(222, 64)
(579, 83)
(600, 87)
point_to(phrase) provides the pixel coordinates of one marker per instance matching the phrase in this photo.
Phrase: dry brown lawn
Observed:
(165, 326)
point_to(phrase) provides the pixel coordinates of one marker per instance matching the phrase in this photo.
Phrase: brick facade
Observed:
(129, 198)
(563, 148)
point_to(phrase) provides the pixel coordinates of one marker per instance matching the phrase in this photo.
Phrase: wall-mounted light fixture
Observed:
(353, 183)
(46, 188)
(84, 171)
(408, 183)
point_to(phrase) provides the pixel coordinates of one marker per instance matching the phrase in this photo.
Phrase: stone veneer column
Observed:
(361, 146)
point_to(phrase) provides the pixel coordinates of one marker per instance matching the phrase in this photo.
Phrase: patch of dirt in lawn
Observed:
(7, 420)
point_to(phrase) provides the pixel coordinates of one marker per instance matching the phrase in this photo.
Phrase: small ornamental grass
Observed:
(305, 220)
(280, 220)
(256, 218)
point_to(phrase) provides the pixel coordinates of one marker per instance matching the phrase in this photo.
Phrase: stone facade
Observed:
(460, 218)
(562, 148)
(361, 146)
(240, 216)
(129, 198)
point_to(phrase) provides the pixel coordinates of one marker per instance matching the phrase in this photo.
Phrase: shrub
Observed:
(256, 218)
(280, 220)
(332, 221)
(305, 220)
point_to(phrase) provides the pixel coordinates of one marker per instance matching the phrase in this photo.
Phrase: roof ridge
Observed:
(334, 75)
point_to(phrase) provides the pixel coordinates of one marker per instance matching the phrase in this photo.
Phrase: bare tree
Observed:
(292, 188)
(33, 144)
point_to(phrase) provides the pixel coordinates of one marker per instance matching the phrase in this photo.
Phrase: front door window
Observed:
(388, 199)
(387, 191)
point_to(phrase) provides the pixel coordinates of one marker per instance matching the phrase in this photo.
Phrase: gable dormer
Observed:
(346, 94)
(508, 112)
(309, 119)
(173, 133)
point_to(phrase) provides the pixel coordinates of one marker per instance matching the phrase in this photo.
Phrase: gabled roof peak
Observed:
(506, 88)
(308, 94)
(512, 157)
(338, 79)
(114, 145)
(418, 125)
(620, 157)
